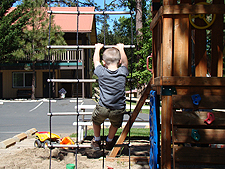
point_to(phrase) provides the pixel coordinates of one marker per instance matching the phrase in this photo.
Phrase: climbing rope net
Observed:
(77, 80)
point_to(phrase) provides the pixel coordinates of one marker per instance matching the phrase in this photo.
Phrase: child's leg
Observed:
(97, 120)
(112, 132)
(96, 141)
(109, 140)
(97, 129)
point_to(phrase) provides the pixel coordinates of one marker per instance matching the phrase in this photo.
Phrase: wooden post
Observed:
(167, 54)
(217, 44)
(181, 68)
(167, 58)
(159, 49)
(166, 132)
(155, 39)
(181, 45)
(154, 52)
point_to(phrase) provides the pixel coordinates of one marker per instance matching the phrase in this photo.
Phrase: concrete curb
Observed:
(20, 137)
(31, 132)
(7, 143)
(17, 138)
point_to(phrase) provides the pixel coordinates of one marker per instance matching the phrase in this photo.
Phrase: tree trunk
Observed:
(33, 82)
(33, 77)
(139, 25)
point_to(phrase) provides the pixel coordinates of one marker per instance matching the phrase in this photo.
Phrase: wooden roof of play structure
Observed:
(187, 64)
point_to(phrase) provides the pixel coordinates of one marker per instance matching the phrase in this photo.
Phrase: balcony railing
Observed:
(68, 55)
(65, 56)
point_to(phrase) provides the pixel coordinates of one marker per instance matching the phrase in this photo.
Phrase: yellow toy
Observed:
(43, 139)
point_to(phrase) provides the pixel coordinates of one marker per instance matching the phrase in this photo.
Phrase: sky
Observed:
(101, 3)
(112, 17)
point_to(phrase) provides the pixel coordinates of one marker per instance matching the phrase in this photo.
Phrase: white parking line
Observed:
(26, 101)
(74, 101)
(36, 107)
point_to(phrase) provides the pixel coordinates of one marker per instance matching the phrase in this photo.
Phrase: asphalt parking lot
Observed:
(18, 116)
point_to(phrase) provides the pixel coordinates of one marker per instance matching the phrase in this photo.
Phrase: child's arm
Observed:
(96, 57)
(124, 61)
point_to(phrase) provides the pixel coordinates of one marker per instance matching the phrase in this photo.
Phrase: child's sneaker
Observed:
(95, 144)
(109, 145)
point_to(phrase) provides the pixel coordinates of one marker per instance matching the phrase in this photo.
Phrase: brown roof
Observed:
(68, 22)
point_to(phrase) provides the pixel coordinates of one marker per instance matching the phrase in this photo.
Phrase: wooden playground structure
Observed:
(190, 85)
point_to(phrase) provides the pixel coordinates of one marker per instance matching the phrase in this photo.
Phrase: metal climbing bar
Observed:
(84, 46)
(68, 146)
(103, 127)
(77, 117)
(68, 113)
(72, 80)
(131, 67)
(77, 80)
(49, 87)
(82, 146)
(92, 12)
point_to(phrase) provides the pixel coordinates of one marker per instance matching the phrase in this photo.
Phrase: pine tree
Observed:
(36, 37)
(12, 24)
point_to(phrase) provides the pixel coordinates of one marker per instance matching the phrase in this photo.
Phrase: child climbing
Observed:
(111, 79)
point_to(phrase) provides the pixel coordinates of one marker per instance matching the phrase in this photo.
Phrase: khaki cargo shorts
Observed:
(101, 113)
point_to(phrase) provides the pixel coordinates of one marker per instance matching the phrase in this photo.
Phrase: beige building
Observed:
(15, 79)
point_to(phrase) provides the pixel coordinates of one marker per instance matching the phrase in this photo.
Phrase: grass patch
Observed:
(134, 132)
(73, 135)
(132, 103)
(145, 111)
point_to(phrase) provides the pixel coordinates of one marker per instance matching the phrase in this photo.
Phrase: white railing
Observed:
(68, 55)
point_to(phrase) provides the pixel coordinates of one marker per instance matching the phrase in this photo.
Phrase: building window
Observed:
(22, 79)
